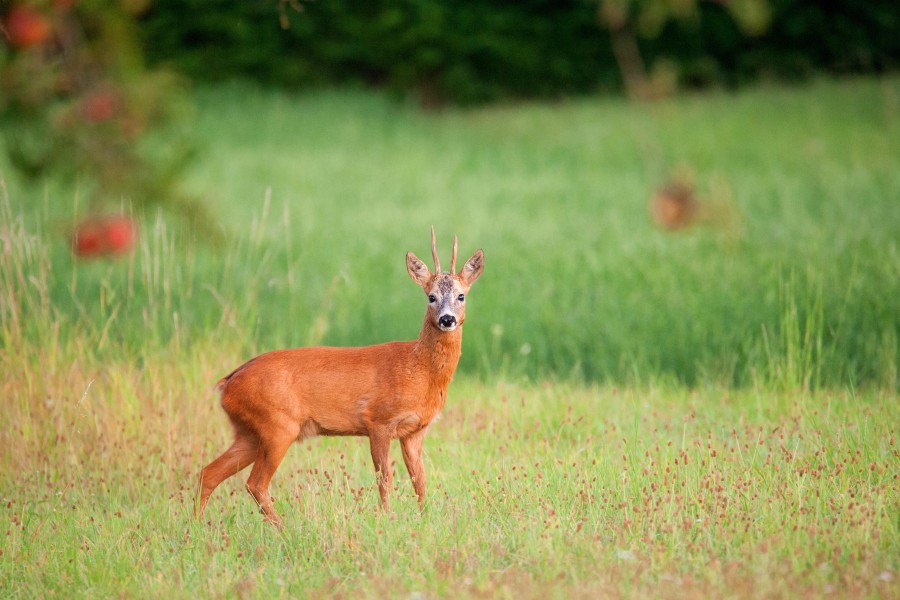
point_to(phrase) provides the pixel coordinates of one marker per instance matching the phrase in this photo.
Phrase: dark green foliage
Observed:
(478, 50)
(803, 38)
(468, 53)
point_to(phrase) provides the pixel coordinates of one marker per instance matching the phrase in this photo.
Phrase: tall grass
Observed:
(320, 196)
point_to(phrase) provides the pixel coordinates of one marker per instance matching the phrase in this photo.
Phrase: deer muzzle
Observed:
(447, 322)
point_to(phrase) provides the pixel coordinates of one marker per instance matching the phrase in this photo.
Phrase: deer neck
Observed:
(438, 352)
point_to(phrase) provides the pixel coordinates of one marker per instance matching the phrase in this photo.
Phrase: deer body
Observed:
(341, 391)
(386, 391)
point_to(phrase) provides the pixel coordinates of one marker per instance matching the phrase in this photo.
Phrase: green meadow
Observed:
(707, 412)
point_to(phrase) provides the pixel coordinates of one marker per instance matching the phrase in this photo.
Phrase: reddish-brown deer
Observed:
(386, 391)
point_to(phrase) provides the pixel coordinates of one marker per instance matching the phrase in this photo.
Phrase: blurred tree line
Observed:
(480, 50)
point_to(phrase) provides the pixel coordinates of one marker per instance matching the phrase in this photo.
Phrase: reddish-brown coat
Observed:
(343, 391)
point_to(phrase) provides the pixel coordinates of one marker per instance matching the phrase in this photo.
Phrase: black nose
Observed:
(447, 321)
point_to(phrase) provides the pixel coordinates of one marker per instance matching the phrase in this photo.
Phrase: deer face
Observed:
(446, 292)
(446, 302)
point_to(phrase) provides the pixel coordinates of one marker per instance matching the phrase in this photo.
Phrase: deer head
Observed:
(446, 291)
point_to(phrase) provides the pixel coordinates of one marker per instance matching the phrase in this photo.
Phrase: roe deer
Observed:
(387, 391)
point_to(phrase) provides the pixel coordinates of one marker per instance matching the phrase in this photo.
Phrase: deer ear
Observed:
(473, 268)
(417, 269)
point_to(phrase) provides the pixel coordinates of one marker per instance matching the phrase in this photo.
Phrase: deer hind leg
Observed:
(272, 451)
(380, 445)
(242, 453)
(412, 456)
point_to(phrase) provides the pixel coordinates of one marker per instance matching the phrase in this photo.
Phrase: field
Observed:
(709, 412)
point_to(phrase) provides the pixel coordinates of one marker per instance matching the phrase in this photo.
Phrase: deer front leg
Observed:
(380, 445)
(412, 456)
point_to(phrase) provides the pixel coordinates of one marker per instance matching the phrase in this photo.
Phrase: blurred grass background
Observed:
(791, 279)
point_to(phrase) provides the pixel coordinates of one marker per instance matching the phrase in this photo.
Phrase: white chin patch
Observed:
(451, 328)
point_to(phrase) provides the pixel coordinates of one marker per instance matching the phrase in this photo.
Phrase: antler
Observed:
(453, 260)
(437, 262)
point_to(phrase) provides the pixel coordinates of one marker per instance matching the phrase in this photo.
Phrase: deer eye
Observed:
(461, 297)
(432, 298)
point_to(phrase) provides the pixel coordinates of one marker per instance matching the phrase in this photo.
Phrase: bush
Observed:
(802, 38)
(77, 102)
